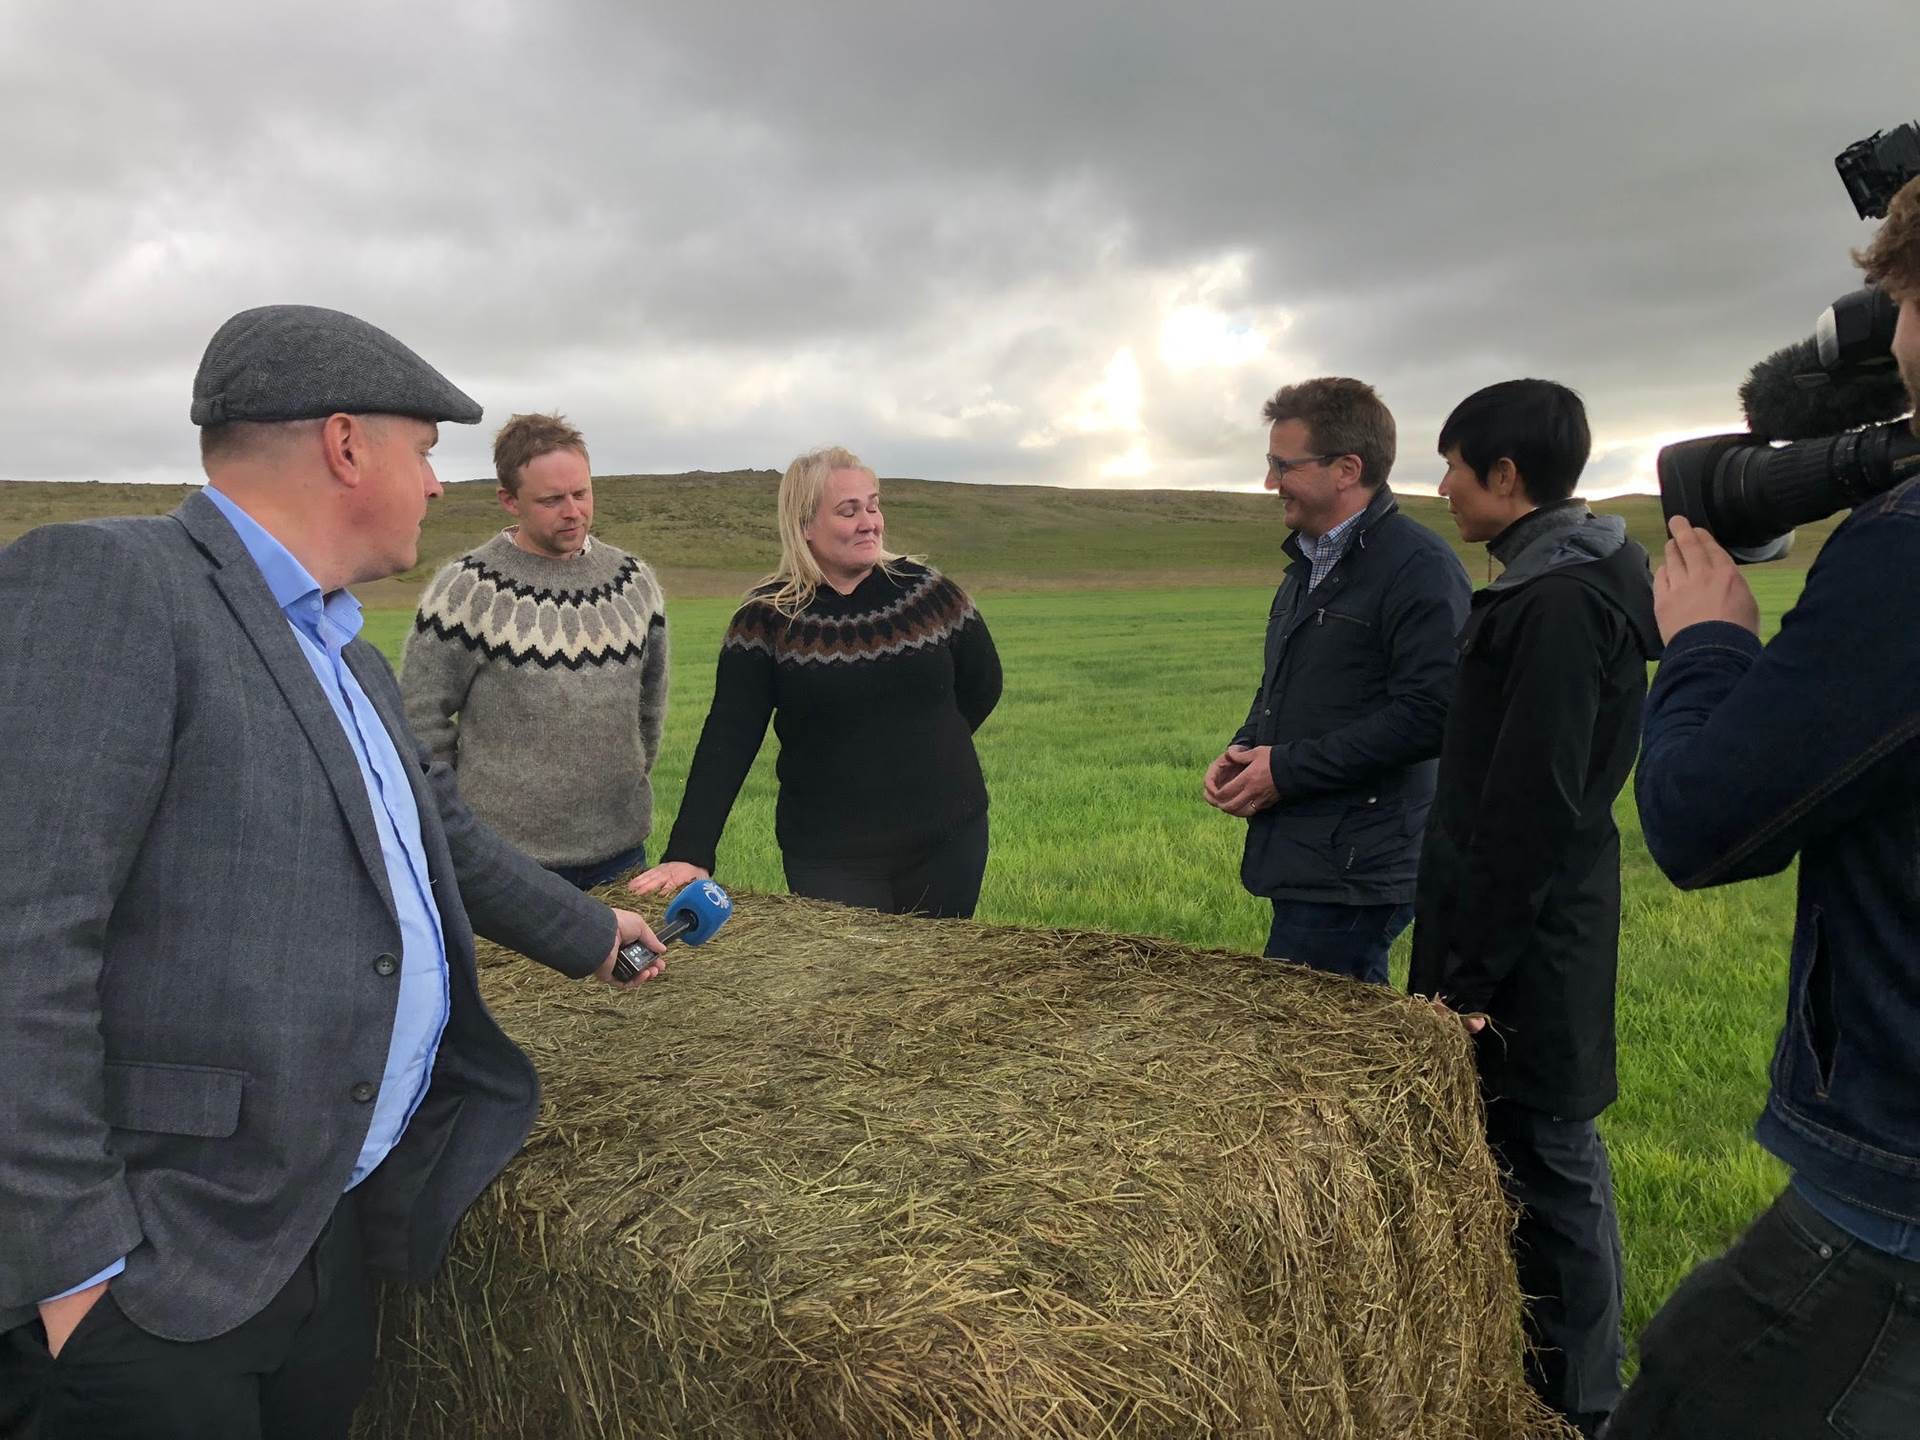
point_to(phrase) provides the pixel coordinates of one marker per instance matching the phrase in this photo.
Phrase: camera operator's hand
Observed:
(1700, 582)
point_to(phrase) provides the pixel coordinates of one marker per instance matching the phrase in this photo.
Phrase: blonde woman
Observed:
(876, 670)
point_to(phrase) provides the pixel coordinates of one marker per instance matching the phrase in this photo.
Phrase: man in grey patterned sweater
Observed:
(537, 667)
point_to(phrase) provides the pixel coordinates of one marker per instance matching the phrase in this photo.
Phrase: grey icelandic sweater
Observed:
(544, 684)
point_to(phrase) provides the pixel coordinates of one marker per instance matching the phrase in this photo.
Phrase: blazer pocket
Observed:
(174, 1099)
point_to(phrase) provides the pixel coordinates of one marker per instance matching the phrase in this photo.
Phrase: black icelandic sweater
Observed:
(875, 697)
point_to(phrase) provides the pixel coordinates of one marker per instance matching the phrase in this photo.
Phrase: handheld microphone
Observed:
(692, 916)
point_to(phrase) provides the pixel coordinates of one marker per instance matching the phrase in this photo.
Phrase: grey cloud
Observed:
(716, 234)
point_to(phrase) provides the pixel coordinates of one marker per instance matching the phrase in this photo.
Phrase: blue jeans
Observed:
(599, 872)
(1350, 940)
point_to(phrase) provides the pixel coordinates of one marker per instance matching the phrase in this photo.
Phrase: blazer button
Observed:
(385, 965)
(363, 1092)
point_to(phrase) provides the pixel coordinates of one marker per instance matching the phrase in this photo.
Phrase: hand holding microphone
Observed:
(693, 916)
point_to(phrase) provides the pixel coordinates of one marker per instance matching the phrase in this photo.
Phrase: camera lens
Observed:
(1748, 494)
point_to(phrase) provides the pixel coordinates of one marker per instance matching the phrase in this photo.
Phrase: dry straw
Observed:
(845, 1174)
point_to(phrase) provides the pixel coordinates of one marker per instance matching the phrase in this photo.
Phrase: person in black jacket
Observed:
(1517, 918)
(1334, 768)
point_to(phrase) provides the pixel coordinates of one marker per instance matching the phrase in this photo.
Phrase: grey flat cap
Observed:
(300, 362)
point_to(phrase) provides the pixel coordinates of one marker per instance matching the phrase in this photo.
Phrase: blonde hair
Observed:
(799, 575)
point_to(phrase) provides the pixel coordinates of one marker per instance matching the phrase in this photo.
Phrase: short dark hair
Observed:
(524, 439)
(1539, 425)
(1344, 417)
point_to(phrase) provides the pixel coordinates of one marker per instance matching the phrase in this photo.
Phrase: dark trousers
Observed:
(295, 1371)
(1799, 1330)
(1566, 1248)
(943, 881)
(599, 872)
(1351, 940)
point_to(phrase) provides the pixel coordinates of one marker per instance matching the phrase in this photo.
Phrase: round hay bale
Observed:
(848, 1174)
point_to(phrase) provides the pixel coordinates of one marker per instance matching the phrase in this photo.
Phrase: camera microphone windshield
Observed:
(1791, 395)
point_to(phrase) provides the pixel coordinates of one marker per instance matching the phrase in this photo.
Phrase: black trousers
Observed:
(1566, 1248)
(943, 881)
(1799, 1330)
(295, 1371)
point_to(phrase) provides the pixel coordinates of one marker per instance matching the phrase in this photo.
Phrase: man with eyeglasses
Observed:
(1334, 768)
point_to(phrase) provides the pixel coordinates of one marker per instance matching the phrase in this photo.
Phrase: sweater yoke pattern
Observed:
(927, 612)
(481, 607)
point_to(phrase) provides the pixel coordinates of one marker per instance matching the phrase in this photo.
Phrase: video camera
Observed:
(1836, 397)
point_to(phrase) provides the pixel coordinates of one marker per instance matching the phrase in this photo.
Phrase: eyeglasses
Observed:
(1283, 467)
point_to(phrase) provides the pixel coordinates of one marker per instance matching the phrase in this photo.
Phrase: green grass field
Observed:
(1117, 699)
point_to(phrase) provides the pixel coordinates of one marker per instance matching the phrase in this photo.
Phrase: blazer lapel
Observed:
(245, 590)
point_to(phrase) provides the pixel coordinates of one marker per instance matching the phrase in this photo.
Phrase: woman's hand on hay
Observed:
(673, 875)
(1474, 1023)
(632, 928)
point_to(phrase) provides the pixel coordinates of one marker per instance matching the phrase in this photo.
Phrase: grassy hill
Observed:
(713, 533)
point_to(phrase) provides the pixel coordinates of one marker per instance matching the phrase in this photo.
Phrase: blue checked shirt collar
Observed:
(1324, 552)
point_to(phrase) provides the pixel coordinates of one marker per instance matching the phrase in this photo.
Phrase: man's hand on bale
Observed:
(632, 928)
(1474, 1023)
(673, 875)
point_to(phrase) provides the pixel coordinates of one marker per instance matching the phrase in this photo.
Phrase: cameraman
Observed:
(1809, 746)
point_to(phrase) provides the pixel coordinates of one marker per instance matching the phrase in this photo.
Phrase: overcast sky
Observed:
(1069, 243)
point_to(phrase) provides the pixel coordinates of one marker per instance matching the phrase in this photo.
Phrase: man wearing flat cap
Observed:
(243, 1055)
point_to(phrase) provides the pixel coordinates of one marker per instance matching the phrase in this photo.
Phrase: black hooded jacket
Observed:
(1517, 910)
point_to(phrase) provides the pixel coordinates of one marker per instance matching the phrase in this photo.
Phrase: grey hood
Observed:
(1555, 537)
(1569, 536)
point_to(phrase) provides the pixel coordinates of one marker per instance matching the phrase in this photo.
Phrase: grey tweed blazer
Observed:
(196, 989)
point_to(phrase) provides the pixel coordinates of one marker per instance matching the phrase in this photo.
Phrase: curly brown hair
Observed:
(1345, 417)
(1892, 258)
(525, 438)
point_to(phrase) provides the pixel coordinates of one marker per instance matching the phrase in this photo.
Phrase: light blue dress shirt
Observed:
(323, 625)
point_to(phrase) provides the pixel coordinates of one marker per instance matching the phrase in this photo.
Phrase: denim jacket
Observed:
(1811, 747)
